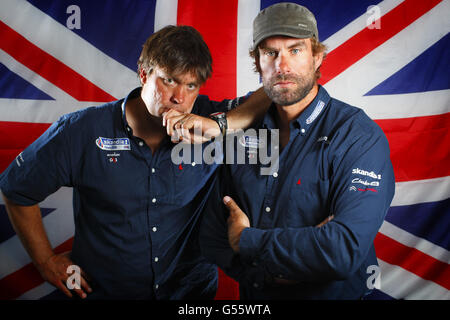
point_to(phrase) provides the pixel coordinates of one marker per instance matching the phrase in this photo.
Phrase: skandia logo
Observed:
(366, 173)
(251, 142)
(113, 143)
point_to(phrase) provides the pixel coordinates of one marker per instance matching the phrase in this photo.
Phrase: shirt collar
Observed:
(133, 94)
(307, 117)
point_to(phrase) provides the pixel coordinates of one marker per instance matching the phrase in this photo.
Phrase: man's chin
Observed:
(285, 99)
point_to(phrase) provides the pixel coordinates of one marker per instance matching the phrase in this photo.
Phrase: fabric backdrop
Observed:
(390, 58)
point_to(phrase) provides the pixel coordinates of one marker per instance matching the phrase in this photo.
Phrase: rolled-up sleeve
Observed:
(41, 169)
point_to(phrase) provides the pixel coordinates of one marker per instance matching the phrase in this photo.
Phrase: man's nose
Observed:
(178, 95)
(282, 64)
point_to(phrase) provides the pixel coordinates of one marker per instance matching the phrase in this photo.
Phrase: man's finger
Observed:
(85, 285)
(61, 285)
(175, 122)
(327, 219)
(231, 204)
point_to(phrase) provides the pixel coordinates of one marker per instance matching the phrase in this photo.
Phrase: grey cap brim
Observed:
(282, 31)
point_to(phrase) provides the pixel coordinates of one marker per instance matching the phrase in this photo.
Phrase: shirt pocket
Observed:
(190, 179)
(308, 202)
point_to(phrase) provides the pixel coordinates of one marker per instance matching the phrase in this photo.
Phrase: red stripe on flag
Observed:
(221, 40)
(419, 146)
(413, 260)
(228, 288)
(50, 68)
(26, 278)
(367, 40)
(15, 137)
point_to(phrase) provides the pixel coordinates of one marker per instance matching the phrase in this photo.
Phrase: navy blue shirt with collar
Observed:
(136, 213)
(337, 162)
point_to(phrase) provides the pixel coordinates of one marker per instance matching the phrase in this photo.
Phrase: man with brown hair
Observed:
(306, 230)
(136, 212)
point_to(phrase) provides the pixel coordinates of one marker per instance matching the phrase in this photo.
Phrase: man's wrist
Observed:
(221, 119)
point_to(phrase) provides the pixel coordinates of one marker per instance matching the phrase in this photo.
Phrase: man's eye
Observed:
(295, 51)
(270, 53)
(168, 81)
(192, 86)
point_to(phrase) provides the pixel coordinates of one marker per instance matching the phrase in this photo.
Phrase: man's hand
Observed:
(54, 270)
(237, 222)
(189, 127)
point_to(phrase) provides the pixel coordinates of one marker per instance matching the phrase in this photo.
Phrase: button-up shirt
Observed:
(136, 213)
(335, 163)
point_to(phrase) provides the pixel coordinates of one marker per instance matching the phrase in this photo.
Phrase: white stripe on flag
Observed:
(41, 111)
(357, 25)
(420, 191)
(402, 284)
(366, 73)
(415, 242)
(59, 224)
(165, 13)
(408, 105)
(38, 292)
(78, 54)
(246, 79)
(34, 78)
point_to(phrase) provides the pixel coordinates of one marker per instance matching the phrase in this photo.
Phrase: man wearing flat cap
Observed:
(306, 230)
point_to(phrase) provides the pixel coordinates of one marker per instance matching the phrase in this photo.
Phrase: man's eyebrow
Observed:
(267, 48)
(300, 43)
(177, 80)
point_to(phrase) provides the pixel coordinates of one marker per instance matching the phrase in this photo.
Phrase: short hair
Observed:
(316, 47)
(177, 49)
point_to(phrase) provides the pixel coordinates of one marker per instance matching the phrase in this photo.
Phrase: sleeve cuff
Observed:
(250, 243)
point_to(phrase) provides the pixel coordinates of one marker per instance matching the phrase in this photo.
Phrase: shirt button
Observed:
(156, 286)
(193, 164)
(255, 285)
(154, 229)
(156, 259)
(302, 130)
(153, 170)
(128, 129)
(141, 143)
(275, 174)
(267, 209)
(154, 200)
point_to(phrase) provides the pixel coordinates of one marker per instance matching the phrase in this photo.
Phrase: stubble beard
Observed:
(287, 96)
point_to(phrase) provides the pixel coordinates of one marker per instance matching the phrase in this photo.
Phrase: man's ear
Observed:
(143, 75)
(318, 58)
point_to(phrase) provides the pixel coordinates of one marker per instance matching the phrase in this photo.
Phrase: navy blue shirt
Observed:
(135, 212)
(335, 163)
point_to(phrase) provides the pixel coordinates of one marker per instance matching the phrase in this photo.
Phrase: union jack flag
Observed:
(390, 58)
